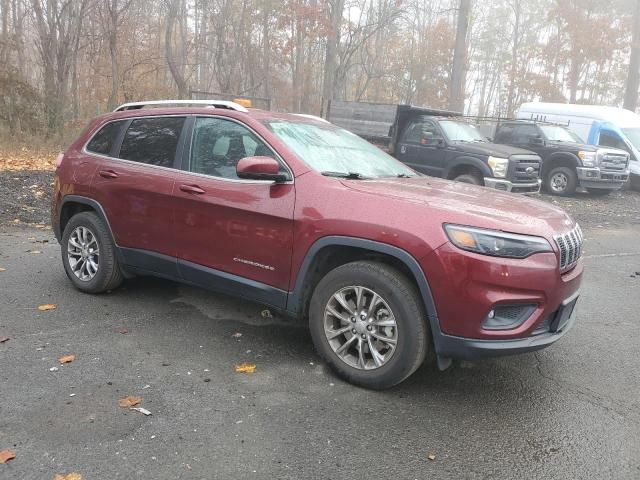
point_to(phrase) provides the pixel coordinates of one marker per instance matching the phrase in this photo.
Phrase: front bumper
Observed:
(508, 186)
(596, 178)
(467, 287)
(462, 348)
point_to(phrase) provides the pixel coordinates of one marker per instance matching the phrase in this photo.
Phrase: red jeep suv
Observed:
(292, 212)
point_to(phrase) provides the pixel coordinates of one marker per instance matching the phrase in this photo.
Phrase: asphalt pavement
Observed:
(571, 411)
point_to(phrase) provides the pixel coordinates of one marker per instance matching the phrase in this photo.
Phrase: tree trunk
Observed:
(330, 64)
(459, 70)
(176, 72)
(514, 56)
(633, 77)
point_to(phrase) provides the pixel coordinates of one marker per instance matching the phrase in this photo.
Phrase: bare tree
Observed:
(458, 70)
(633, 76)
(176, 7)
(336, 10)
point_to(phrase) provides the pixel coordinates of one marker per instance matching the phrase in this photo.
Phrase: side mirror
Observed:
(260, 168)
(439, 142)
(536, 140)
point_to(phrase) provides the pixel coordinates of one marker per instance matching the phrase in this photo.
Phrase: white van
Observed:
(597, 125)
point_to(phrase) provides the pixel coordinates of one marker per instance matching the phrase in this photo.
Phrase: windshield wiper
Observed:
(349, 175)
(404, 175)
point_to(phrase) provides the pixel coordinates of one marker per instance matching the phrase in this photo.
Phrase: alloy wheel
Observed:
(360, 327)
(83, 253)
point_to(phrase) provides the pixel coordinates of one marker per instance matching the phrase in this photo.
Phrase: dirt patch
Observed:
(25, 196)
(618, 208)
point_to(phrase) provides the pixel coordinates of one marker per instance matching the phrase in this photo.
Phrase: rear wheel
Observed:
(469, 178)
(561, 181)
(368, 324)
(598, 192)
(88, 254)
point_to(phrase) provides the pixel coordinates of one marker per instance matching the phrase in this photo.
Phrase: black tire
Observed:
(469, 178)
(569, 184)
(404, 301)
(598, 192)
(108, 276)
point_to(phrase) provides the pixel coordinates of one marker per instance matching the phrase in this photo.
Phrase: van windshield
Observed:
(559, 134)
(336, 152)
(633, 134)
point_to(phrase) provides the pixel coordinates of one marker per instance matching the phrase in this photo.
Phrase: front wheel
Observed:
(562, 181)
(368, 323)
(469, 178)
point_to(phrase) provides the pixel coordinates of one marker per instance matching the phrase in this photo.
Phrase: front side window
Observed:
(103, 141)
(611, 140)
(633, 134)
(218, 145)
(332, 150)
(422, 133)
(524, 133)
(152, 140)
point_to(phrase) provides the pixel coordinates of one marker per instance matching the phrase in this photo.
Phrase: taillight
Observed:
(58, 160)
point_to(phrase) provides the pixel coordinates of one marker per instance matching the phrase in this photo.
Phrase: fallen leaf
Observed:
(3, 339)
(68, 476)
(236, 335)
(47, 306)
(53, 369)
(123, 331)
(35, 252)
(67, 358)
(245, 368)
(6, 455)
(129, 401)
(144, 411)
(431, 457)
(3, 269)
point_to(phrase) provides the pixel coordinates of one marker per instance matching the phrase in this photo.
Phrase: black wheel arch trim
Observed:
(548, 163)
(295, 297)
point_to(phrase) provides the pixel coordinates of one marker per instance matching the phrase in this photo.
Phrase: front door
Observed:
(421, 147)
(232, 233)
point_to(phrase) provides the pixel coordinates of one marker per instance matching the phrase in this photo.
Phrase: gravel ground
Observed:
(25, 198)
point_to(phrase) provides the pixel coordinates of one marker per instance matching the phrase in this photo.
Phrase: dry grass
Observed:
(21, 158)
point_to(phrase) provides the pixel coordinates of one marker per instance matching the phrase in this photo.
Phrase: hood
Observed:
(494, 149)
(464, 204)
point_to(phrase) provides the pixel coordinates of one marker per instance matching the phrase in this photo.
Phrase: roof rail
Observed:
(205, 103)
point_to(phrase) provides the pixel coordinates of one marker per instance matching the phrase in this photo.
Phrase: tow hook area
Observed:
(444, 362)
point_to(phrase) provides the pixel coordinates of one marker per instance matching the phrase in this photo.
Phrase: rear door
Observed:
(134, 186)
(233, 234)
(421, 146)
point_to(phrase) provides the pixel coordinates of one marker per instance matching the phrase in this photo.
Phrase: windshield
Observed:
(559, 134)
(633, 135)
(327, 148)
(461, 131)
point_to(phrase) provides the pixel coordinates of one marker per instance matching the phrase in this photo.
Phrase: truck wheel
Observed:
(598, 192)
(468, 178)
(561, 181)
(88, 254)
(368, 323)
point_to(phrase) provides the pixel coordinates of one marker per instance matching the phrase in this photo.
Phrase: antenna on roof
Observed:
(166, 103)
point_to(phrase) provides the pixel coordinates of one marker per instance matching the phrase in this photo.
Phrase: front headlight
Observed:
(588, 158)
(495, 243)
(499, 166)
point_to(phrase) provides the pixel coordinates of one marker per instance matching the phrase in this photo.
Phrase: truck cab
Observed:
(441, 144)
(567, 162)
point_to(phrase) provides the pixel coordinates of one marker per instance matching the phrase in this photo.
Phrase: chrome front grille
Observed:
(525, 168)
(614, 161)
(570, 245)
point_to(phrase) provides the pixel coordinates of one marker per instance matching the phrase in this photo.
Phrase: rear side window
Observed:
(152, 140)
(103, 141)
